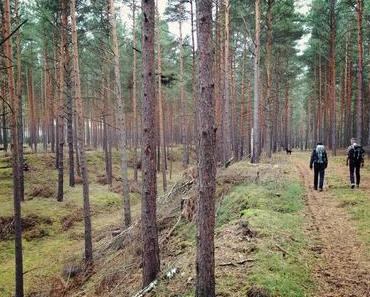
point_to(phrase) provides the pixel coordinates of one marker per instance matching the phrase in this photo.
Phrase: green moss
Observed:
(273, 211)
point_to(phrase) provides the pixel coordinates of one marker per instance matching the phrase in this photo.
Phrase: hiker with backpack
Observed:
(319, 161)
(355, 160)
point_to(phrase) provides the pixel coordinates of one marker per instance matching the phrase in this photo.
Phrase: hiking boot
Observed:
(357, 186)
(352, 186)
(315, 188)
(320, 190)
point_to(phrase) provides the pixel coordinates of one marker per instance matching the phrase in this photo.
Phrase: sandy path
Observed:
(342, 270)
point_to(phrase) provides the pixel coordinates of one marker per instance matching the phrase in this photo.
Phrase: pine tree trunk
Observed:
(227, 124)
(205, 262)
(218, 81)
(160, 108)
(185, 158)
(360, 72)
(193, 69)
(249, 120)
(61, 101)
(349, 96)
(121, 116)
(5, 131)
(332, 79)
(269, 102)
(256, 118)
(68, 81)
(150, 247)
(106, 129)
(80, 140)
(32, 112)
(286, 118)
(14, 104)
(243, 109)
(134, 90)
(20, 106)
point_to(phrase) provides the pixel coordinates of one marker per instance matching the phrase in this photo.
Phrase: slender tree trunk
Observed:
(106, 129)
(60, 152)
(349, 96)
(32, 112)
(68, 81)
(360, 72)
(5, 131)
(121, 116)
(134, 87)
(269, 102)
(45, 108)
(20, 106)
(14, 104)
(256, 118)
(320, 105)
(160, 108)
(332, 79)
(218, 69)
(78, 165)
(80, 139)
(286, 117)
(50, 102)
(150, 248)
(243, 109)
(193, 69)
(205, 262)
(185, 158)
(227, 123)
(249, 119)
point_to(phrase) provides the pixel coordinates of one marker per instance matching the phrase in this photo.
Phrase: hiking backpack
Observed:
(357, 154)
(320, 151)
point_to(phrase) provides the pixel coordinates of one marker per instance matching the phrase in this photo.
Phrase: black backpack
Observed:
(357, 154)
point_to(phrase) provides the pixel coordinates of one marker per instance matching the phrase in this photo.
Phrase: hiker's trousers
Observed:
(354, 171)
(318, 180)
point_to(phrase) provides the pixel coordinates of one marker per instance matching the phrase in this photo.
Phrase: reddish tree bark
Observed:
(359, 4)
(14, 104)
(80, 140)
(122, 138)
(256, 119)
(332, 78)
(205, 265)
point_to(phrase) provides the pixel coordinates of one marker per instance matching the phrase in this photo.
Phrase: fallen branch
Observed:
(241, 262)
(285, 252)
(147, 289)
(175, 189)
(172, 229)
(116, 242)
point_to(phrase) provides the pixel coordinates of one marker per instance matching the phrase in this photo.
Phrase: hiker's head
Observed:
(353, 140)
(320, 143)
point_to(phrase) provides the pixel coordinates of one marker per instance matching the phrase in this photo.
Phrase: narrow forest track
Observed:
(342, 270)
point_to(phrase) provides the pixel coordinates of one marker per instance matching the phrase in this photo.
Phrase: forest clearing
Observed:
(185, 148)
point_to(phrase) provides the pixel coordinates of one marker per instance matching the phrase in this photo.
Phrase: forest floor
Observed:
(274, 235)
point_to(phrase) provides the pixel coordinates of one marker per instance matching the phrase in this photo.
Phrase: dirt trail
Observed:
(342, 270)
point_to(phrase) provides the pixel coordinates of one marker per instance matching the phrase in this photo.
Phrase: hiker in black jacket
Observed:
(355, 160)
(319, 161)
